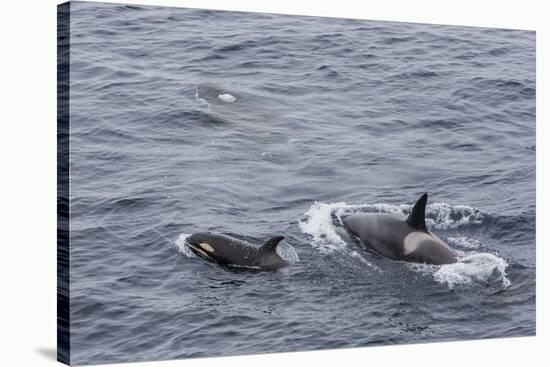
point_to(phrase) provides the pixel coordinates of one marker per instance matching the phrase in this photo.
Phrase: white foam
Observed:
(360, 257)
(471, 268)
(227, 98)
(445, 216)
(201, 100)
(180, 244)
(317, 222)
(484, 268)
(463, 241)
(287, 253)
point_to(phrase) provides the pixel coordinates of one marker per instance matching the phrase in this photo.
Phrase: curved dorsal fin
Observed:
(271, 244)
(417, 218)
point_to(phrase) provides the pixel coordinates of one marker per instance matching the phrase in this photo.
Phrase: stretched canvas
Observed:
(233, 183)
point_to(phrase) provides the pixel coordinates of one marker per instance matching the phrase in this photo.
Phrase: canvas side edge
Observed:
(63, 225)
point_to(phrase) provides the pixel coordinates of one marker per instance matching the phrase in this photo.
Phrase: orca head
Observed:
(201, 237)
(267, 257)
(203, 243)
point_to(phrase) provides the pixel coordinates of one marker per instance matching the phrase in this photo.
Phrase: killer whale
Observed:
(213, 94)
(397, 238)
(229, 251)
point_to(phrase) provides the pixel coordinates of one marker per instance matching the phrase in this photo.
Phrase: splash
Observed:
(445, 216)
(323, 223)
(287, 253)
(182, 247)
(317, 222)
(480, 268)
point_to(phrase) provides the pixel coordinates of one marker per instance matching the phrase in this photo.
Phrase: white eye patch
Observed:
(227, 98)
(205, 246)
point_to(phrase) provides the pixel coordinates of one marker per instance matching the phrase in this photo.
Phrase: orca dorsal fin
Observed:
(271, 244)
(417, 218)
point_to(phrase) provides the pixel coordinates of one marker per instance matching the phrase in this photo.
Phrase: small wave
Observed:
(237, 46)
(417, 74)
(361, 258)
(464, 242)
(394, 40)
(131, 8)
(445, 216)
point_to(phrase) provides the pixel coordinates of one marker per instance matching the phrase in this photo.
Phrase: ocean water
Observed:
(256, 125)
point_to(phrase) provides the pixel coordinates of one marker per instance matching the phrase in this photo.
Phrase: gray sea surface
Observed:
(255, 125)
